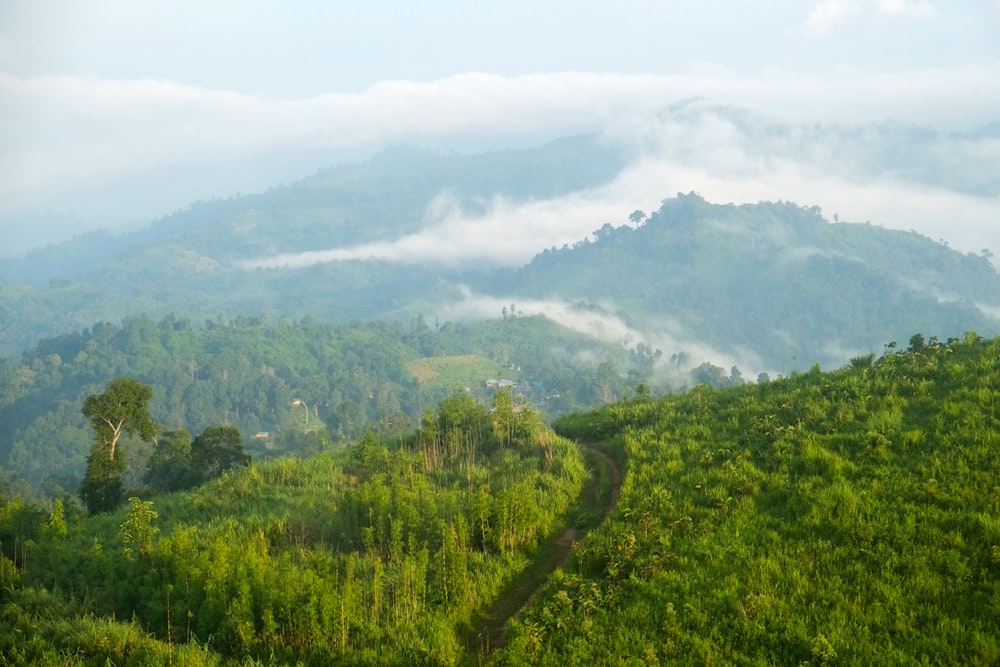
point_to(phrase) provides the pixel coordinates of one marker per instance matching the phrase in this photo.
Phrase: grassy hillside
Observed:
(465, 370)
(849, 517)
(775, 281)
(372, 555)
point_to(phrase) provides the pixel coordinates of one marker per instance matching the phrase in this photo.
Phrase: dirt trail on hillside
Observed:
(489, 632)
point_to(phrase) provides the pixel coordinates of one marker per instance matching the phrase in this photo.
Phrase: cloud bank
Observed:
(941, 185)
(127, 151)
(666, 334)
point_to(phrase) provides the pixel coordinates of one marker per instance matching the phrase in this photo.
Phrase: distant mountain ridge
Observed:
(769, 286)
(775, 279)
(378, 200)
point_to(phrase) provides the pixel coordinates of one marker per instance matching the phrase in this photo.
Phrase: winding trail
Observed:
(489, 630)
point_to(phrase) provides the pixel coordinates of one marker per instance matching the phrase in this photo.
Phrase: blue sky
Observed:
(303, 48)
(115, 113)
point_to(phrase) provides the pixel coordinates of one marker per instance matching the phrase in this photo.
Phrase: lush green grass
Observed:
(458, 371)
(369, 555)
(849, 517)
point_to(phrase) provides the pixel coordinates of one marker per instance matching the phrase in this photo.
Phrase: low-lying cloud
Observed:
(132, 150)
(945, 187)
(665, 334)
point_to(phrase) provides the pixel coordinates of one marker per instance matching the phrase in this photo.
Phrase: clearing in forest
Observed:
(467, 370)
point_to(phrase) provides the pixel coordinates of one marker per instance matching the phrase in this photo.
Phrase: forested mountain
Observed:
(187, 262)
(848, 516)
(769, 287)
(772, 284)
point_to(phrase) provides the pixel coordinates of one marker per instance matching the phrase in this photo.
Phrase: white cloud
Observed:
(129, 151)
(824, 16)
(989, 310)
(827, 15)
(666, 334)
(906, 8)
(509, 233)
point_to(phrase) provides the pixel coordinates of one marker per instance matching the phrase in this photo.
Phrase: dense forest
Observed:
(289, 388)
(816, 518)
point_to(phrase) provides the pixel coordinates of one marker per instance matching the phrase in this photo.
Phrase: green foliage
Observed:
(846, 517)
(40, 628)
(247, 373)
(120, 410)
(56, 527)
(137, 530)
(370, 554)
(217, 450)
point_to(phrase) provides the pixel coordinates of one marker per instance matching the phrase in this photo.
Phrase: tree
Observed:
(101, 489)
(137, 530)
(217, 450)
(710, 374)
(170, 467)
(119, 410)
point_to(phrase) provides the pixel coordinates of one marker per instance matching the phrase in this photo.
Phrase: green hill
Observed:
(774, 285)
(850, 517)
(247, 373)
(367, 556)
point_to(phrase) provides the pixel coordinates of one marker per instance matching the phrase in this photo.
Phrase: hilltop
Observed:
(849, 516)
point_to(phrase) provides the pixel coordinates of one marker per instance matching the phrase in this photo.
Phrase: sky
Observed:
(115, 113)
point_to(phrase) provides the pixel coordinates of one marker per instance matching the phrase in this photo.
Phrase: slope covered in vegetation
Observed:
(301, 387)
(375, 555)
(190, 261)
(850, 516)
(846, 516)
(773, 279)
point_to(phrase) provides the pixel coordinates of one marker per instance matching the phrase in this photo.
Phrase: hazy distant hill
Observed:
(773, 281)
(769, 287)
(378, 200)
(184, 263)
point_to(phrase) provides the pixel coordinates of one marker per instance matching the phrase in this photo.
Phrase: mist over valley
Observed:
(646, 332)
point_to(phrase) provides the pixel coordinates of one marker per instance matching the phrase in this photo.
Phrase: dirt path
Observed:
(489, 631)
